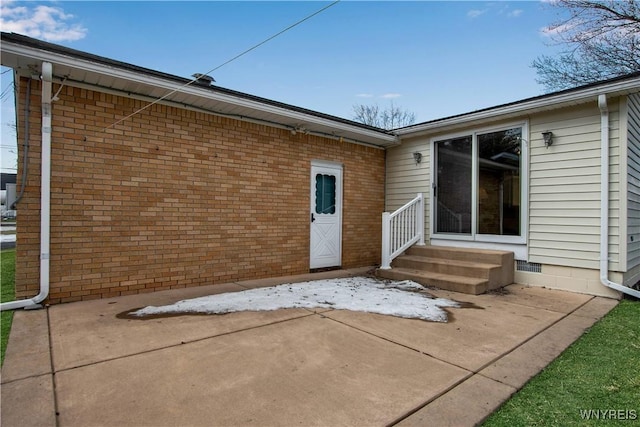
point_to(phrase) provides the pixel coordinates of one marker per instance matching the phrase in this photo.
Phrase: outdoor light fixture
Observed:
(548, 138)
(417, 157)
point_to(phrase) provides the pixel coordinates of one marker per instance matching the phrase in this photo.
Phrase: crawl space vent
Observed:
(531, 267)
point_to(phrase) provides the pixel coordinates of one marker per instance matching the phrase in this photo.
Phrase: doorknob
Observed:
(313, 218)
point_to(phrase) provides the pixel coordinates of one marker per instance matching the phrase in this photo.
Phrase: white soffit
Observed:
(528, 106)
(23, 59)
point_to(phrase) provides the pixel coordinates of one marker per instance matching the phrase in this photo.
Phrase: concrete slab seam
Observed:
(53, 372)
(478, 372)
(599, 316)
(241, 285)
(505, 354)
(182, 343)
(50, 372)
(396, 343)
(591, 297)
(453, 389)
(432, 399)
(428, 401)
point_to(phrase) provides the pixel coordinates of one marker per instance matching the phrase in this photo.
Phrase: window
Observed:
(499, 182)
(478, 185)
(325, 194)
(454, 183)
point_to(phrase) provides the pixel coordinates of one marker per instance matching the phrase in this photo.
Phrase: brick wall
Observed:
(174, 198)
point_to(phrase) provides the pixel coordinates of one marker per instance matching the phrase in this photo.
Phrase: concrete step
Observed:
(463, 254)
(449, 266)
(472, 271)
(466, 285)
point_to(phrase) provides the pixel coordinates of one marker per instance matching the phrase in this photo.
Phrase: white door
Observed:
(326, 215)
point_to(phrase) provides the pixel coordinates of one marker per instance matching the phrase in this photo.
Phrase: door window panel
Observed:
(454, 185)
(499, 182)
(325, 194)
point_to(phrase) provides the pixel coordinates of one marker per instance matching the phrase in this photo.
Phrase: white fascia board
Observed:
(547, 103)
(88, 66)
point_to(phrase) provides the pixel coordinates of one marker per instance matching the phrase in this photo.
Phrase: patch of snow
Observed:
(402, 299)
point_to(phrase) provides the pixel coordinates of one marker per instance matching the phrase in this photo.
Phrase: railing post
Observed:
(420, 219)
(386, 241)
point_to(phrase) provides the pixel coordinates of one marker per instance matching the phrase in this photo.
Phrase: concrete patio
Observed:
(78, 364)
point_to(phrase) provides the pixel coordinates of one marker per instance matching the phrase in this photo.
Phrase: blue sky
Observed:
(433, 58)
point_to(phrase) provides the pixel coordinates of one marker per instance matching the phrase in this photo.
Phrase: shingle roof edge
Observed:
(39, 44)
(497, 108)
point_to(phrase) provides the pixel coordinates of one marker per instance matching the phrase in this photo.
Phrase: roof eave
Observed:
(529, 106)
(337, 128)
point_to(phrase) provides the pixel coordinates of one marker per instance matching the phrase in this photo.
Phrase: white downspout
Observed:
(604, 203)
(45, 197)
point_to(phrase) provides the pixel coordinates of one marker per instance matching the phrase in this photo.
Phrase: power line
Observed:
(7, 90)
(224, 63)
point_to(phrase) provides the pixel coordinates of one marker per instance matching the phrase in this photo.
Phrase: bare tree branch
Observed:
(391, 117)
(602, 41)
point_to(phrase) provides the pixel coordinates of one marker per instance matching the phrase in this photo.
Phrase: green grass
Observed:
(7, 293)
(600, 371)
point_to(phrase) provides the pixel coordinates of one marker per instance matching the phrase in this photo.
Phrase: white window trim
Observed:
(524, 186)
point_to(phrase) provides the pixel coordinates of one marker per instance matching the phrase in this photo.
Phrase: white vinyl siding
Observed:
(564, 207)
(564, 184)
(633, 181)
(405, 179)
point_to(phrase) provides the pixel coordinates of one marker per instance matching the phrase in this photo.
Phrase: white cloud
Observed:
(505, 10)
(499, 9)
(390, 95)
(474, 13)
(554, 30)
(515, 13)
(42, 22)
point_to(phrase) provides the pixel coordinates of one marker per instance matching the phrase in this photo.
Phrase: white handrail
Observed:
(401, 229)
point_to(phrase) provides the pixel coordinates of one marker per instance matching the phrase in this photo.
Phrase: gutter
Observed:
(45, 198)
(527, 106)
(604, 202)
(174, 84)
